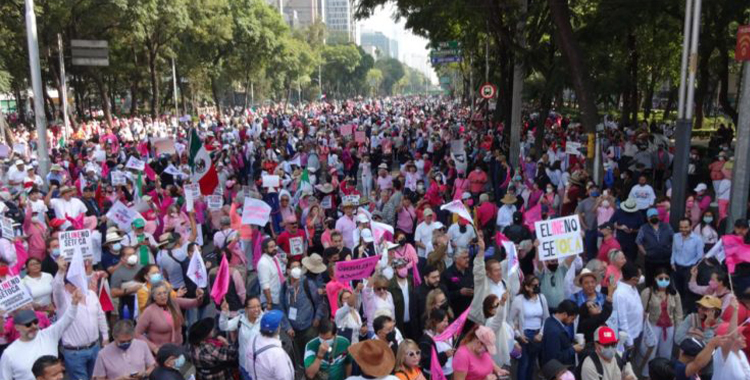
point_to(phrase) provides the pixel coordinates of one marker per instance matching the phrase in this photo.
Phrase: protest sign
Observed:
(255, 211)
(72, 241)
(347, 130)
(173, 171)
(219, 190)
(4, 151)
(215, 202)
(296, 246)
(351, 199)
(20, 148)
(136, 164)
(119, 178)
(194, 189)
(360, 136)
(457, 146)
(121, 215)
(13, 295)
(271, 181)
(356, 269)
(189, 201)
(7, 228)
(559, 237)
(164, 146)
(572, 148)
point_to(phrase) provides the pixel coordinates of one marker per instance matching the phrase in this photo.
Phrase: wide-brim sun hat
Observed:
(374, 357)
(629, 205)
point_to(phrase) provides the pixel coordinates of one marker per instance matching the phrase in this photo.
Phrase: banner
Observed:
(736, 251)
(134, 163)
(164, 146)
(215, 202)
(360, 136)
(7, 228)
(72, 241)
(559, 237)
(351, 199)
(532, 216)
(255, 211)
(271, 181)
(13, 295)
(119, 178)
(356, 269)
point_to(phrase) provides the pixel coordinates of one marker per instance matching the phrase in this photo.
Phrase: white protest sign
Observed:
(7, 228)
(572, 148)
(189, 201)
(271, 181)
(171, 170)
(215, 202)
(255, 211)
(119, 178)
(351, 199)
(4, 151)
(78, 240)
(296, 246)
(13, 294)
(194, 189)
(559, 237)
(20, 148)
(199, 234)
(134, 163)
(164, 145)
(219, 190)
(457, 146)
(122, 215)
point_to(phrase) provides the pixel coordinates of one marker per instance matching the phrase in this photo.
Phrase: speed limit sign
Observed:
(488, 91)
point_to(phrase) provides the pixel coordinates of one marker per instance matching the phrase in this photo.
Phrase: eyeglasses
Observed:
(32, 323)
(413, 354)
(380, 289)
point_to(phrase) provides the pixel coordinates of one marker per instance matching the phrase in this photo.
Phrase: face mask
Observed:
(330, 342)
(537, 289)
(605, 204)
(296, 273)
(663, 283)
(608, 352)
(708, 219)
(550, 190)
(179, 362)
(55, 253)
(654, 220)
(155, 278)
(552, 267)
(594, 194)
(132, 260)
(124, 346)
(567, 376)
(402, 272)
(116, 247)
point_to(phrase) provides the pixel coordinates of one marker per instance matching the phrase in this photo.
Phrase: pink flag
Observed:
(105, 169)
(736, 251)
(77, 222)
(454, 329)
(532, 215)
(150, 173)
(500, 238)
(458, 207)
(21, 257)
(436, 371)
(221, 283)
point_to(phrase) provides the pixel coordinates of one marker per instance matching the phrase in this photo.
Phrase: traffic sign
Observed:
(443, 53)
(488, 91)
(448, 59)
(449, 45)
(90, 52)
(742, 51)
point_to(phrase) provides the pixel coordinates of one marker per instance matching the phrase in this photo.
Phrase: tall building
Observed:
(339, 18)
(393, 51)
(385, 47)
(302, 13)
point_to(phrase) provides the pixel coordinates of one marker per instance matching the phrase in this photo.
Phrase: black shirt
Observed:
(454, 281)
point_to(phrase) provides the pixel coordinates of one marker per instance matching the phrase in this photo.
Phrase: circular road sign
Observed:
(488, 91)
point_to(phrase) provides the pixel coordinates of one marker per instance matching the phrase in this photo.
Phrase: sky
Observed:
(412, 48)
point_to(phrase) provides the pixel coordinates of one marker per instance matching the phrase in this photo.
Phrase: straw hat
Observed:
(629, 205)
(314, 263)
(509, 199)
(112, 237)
(584, 273)
(374, 357)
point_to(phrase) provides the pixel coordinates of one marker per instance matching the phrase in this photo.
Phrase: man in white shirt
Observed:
(423, 233)
(643, 194)
(80, 341)
(505, 213)
(461, 234)
(627, 305)
(32, 343)
(66, 205)
(270, 275)
(268, 358)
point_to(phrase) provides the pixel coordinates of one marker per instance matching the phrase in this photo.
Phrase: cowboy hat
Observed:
(585, 272)
(509, 199)
(374, 357)
(168, 240)
(314, 263)
(629, 205)
(112, 237)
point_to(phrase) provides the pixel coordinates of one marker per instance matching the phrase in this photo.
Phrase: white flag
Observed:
(77, 272)
(459, 208)
(197, 271)
(512, 254)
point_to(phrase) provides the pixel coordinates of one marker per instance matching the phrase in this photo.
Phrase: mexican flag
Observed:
(305, 184)
(204, 172)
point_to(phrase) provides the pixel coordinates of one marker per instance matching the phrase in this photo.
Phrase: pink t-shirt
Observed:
(475, 367)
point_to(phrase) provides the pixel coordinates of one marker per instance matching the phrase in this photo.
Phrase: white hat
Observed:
(19, 162)
(362, 218)
(700, 187)
(367, 235)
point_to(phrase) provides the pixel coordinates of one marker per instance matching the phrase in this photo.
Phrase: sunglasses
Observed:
(32, 323)
(414, 353)
(381, 289)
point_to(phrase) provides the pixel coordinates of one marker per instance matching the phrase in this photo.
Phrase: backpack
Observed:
(598, 364)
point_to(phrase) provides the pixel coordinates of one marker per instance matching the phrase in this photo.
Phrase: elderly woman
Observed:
(347, 317)
(613, 274)
(161, 321)
(376, 296)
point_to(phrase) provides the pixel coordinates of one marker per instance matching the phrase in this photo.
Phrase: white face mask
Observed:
(132, 260)
(296, 273)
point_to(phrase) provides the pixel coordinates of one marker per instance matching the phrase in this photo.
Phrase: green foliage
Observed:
(393, 71)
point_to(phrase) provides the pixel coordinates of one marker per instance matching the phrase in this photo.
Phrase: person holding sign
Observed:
(292, 240)
(18, 359)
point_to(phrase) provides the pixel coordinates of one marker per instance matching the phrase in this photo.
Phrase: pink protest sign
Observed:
(346, 130)
(360, 136)
(356, 269)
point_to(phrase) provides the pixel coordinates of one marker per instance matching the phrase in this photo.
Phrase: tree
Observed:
(393, 71)
(374, 79)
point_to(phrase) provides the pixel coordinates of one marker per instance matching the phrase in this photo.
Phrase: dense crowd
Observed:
(366, 239)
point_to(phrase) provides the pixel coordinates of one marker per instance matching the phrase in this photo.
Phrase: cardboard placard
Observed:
(572, 148)
(356, 269)
(256, 212)
(7, 228)
(296, 246)
(119, 178)
(13, 295)
(271, 181)
(215, 202)
(164, 146)
(360, 136)
(122, 215)
(136, 164)
(559, 237)
(352, 199)
(72, 241)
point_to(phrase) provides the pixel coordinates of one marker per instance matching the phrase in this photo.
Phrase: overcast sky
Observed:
(411, 47)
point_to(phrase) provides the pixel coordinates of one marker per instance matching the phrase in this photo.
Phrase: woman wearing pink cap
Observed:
(473, 359)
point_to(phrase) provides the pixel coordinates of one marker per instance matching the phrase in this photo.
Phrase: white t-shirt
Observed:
(423, 234)
(532, 314)
(462, 240)
(71, 208)
(40, 288)
(268, 277)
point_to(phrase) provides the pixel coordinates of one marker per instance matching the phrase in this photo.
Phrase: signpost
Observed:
(89, 52)
(742, 51)
(488, 91)
(446, 52)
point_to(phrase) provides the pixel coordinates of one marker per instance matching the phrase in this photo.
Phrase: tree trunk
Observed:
(633, 52)
(215, 94)
(670, 103)
(701, 91)
(579, 72)
(101, 86)
(152, 57)
(723, 93)
(648, 100)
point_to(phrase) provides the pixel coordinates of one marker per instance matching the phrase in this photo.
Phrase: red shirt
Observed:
(477, 179)
(486, 212)
(607, 245)
(285, 242)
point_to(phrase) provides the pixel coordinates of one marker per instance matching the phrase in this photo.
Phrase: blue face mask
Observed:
(662, 283)
(156, 278)
(179, 362)
(55, 253)
(116, 247)
(594, 194)
(124, 346)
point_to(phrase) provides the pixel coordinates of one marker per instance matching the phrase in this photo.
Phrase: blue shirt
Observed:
(686, 252)
(580, 298)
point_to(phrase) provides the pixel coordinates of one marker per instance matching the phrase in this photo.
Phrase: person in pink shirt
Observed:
(460, 185)
(701, 198)
(609, 242)
(176, 221)
(473, 359)
(384, 180)
(613, 274)
(406, 217)
(37, 234)
(477, 180)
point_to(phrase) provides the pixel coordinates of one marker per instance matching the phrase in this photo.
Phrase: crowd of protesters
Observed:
(177, 283)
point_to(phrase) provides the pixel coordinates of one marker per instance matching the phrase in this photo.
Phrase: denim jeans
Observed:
(529, 356)
(244, 375)
(79, 364)
(195, 315)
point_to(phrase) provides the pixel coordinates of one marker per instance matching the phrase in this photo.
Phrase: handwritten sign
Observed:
(351, 199)
(4, 151)
(457, 146)
(122, 215)
(356, 269)
(255, 211)
(164, 146)
(271, 181)
(296, 246)
(194, 189)
(360, 136)
(7, 228)
(135, 164)
(559, 237)
(215, 202)
(13, 294)
(119, 178)
(572, 148)
(72, 241)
